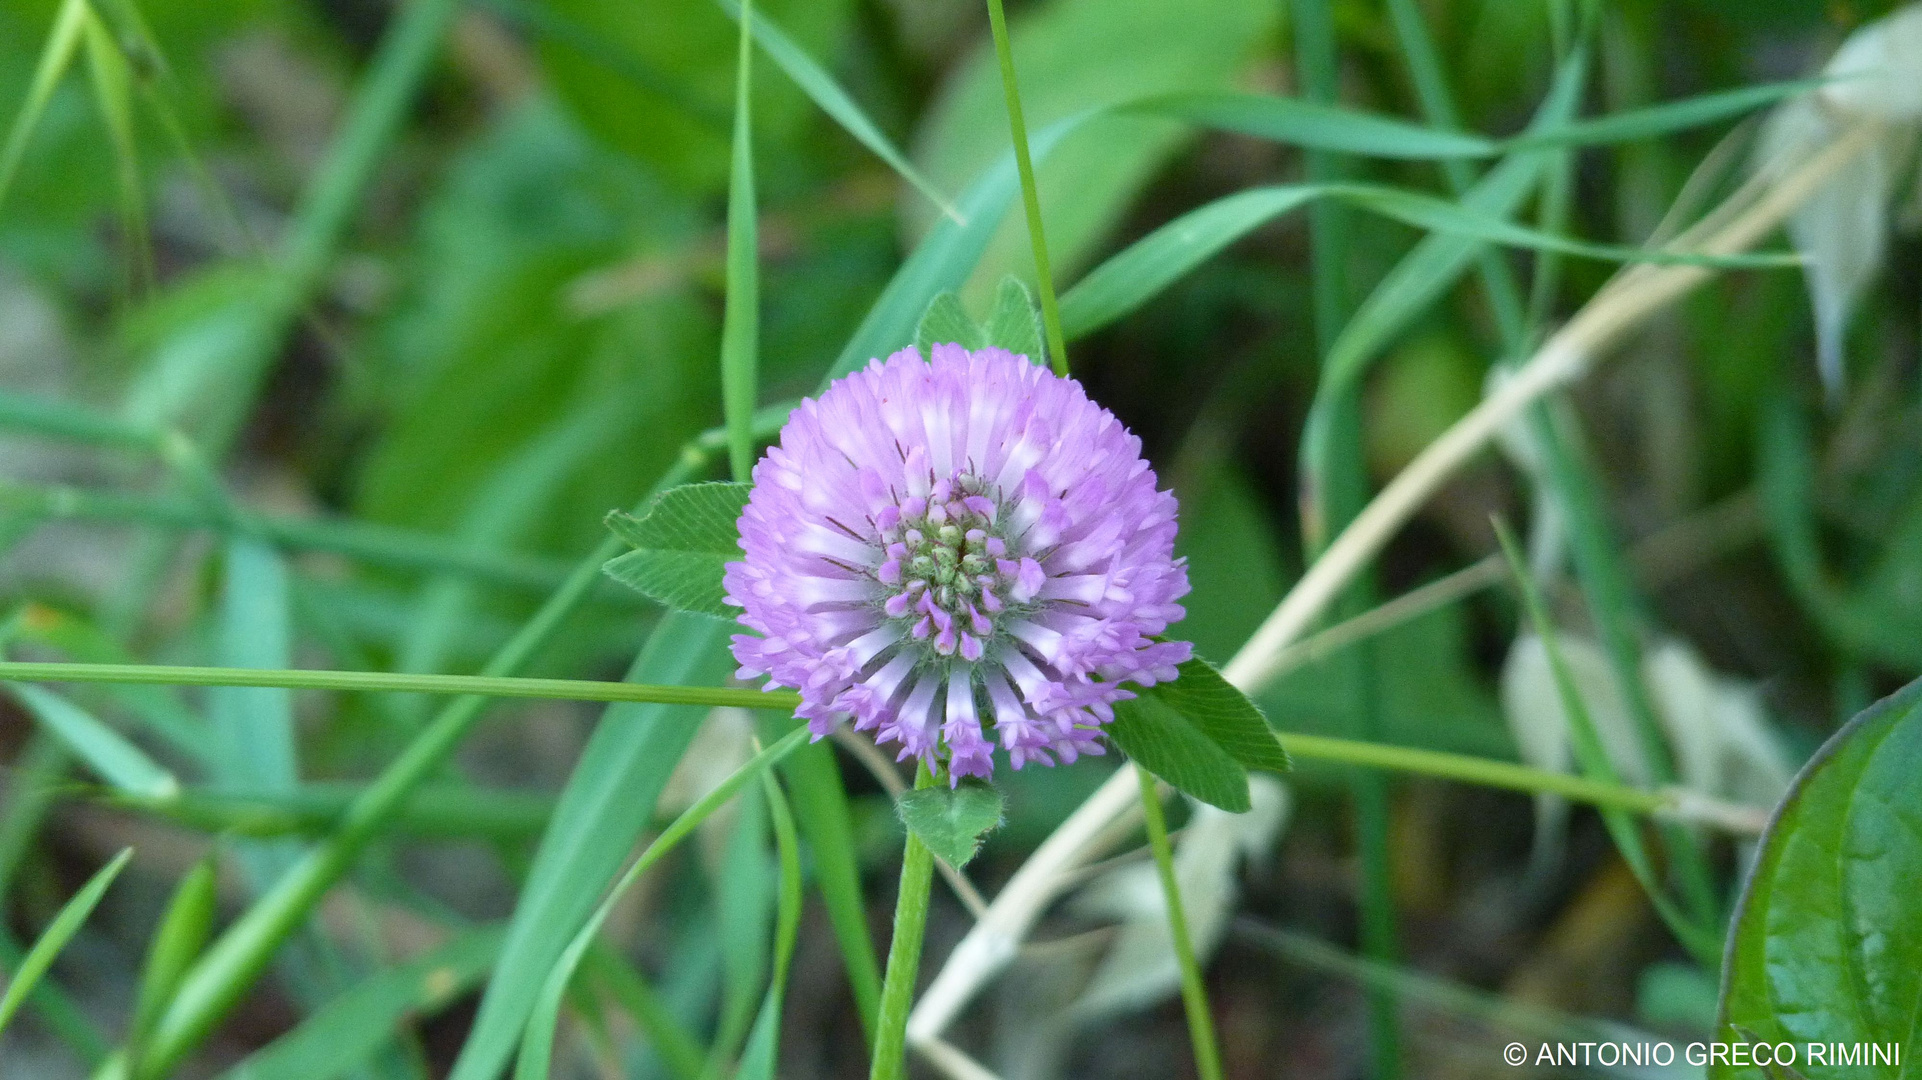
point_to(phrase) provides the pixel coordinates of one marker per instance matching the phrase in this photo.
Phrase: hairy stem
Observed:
(904, 952)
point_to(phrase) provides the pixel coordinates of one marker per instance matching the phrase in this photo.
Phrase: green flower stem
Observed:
(1194, 997)
(486, 686)
(1030, 198)
(904, 952)
(1474, 770)
(238, 957)
(1462, 767)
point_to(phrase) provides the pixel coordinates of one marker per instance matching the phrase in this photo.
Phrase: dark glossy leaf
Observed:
(1826, 945)
(1163, 741)
(952, 822)
(681, 545)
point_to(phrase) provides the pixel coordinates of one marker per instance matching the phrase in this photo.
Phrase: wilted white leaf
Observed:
(1140, 968)
(1842, 230)
(1878, 70)
(1721, 735)
(1532, 705)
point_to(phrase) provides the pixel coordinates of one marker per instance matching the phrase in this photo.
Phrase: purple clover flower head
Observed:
(958, 551)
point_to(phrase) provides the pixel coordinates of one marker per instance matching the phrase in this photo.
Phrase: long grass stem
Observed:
(1030, 198)
(1194, 996)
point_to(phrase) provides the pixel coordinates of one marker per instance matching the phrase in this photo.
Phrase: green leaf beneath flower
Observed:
(1015, 322)
(681, 545)
(952, 822)
(1826, 946)
(1224, 714)
(947, 322)
(1160, 739)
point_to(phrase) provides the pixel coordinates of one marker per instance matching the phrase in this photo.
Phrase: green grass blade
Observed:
(354, 1025)
(1134, 275)
(740, 319)
(438, 811)
(1141, 271)
(537, 1047)
(1435, 264)
(763, 1042)
(63, 41)
(743, 909)
(602, 811)
(107, 752)
(665, 1032)
(66, 420)
(254, 726)
(1335, 485)
(944, 258)
(1030, 196)
(161, 711)
(33, 967)
(821, 802)
(113, 91)
(182, 933)
(1315, 125)
(1667, 118)
(1594, 761)
(815, 81)
(365, 541)
(239, 956)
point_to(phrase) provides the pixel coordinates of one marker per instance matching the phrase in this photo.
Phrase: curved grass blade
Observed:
(1141, 271)
(1435, 264)
(33, 967)
(1151, 264)
(1315, 126)
(538, 1045)
(602, 811)
(1656, 121)
(821, 803)
(945, 256)
(351, 1027)
(113, 91)
(1594, 760)
(107, 752)
(757, 1060)
(743, 911)
(182, 933)
(817, 84)
(63, 40)
(740, 317)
